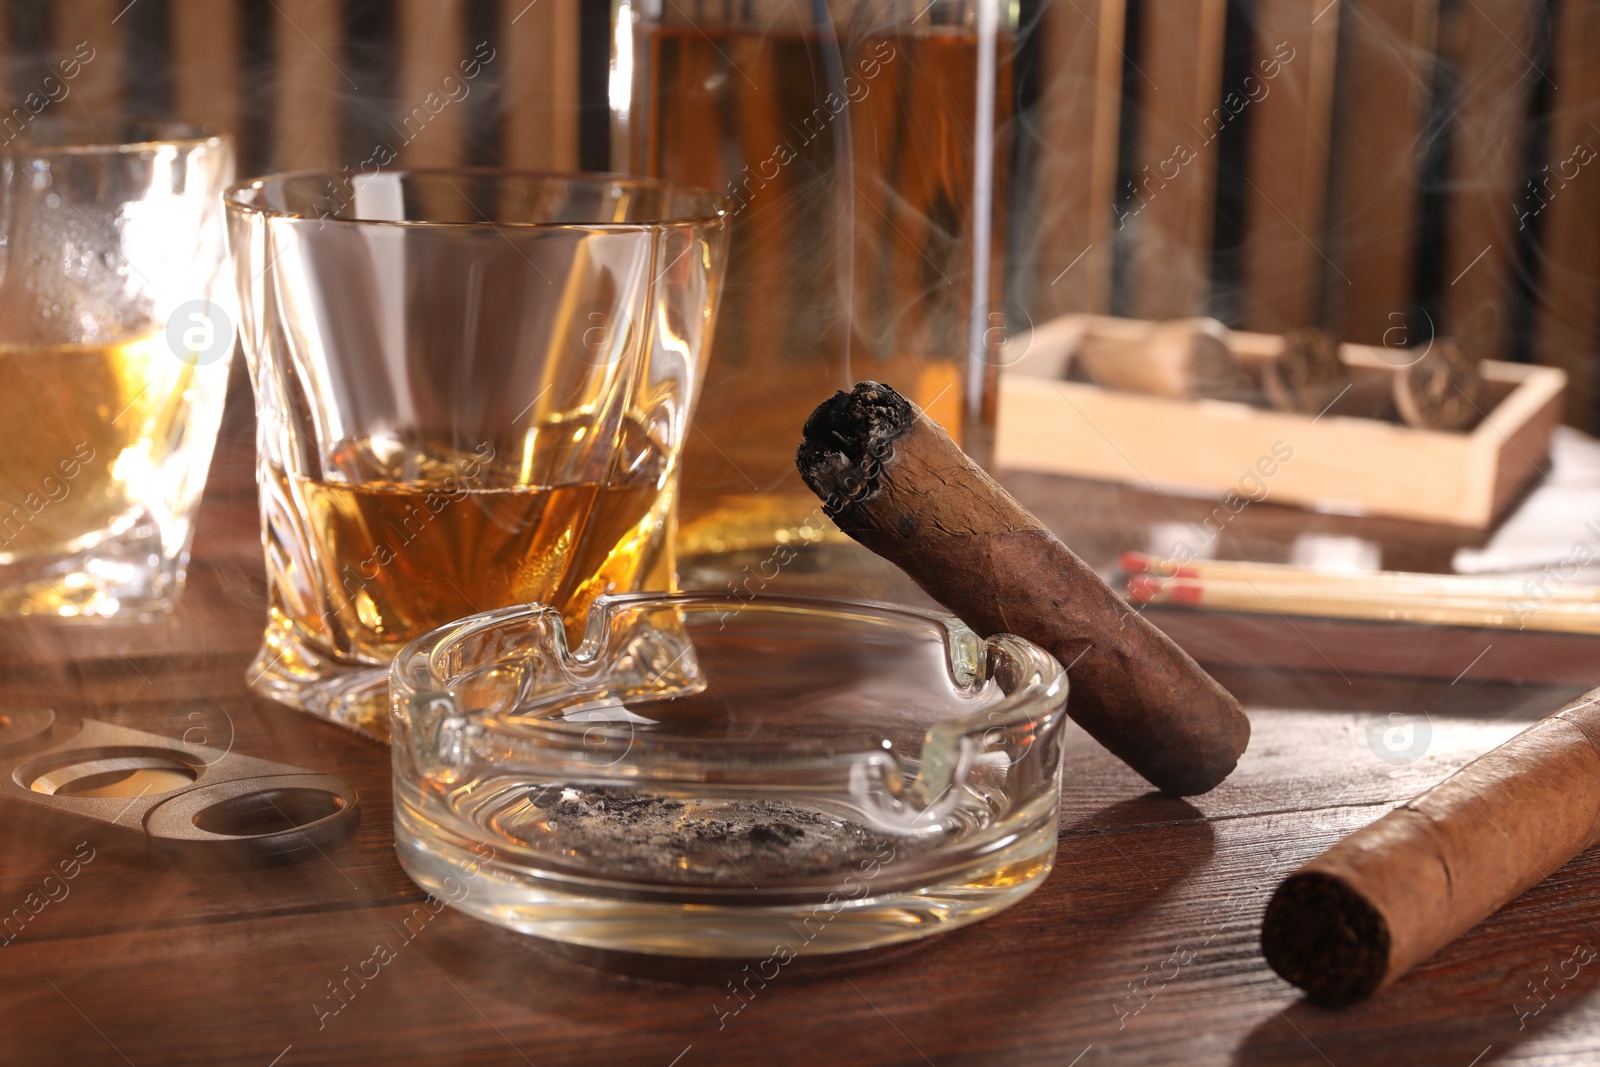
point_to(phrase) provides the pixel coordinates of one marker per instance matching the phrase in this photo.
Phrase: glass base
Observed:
(618, 917)
(127, 575)
(292, 671)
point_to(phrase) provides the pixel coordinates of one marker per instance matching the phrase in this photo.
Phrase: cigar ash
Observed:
(733, 843)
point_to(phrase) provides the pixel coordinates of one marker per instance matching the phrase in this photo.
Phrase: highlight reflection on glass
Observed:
(472, 389)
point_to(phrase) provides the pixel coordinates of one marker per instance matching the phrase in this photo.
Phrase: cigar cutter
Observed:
(161, 799)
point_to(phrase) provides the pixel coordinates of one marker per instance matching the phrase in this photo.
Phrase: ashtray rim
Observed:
(1033, 701)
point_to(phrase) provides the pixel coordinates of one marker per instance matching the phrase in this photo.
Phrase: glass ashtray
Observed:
(711, 776)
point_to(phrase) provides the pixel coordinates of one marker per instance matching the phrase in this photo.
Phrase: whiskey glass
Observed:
(115, 341)
(714, 776)
(472, 389)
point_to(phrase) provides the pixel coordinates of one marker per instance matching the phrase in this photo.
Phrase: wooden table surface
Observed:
(1141, 947)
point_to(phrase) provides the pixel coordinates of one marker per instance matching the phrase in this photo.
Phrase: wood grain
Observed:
(1385, 81)
(1565, 208)
(1175, 162)
(1079, 111)
(1288, 158)
(164, 966)
(311, 83)
(1489, 43)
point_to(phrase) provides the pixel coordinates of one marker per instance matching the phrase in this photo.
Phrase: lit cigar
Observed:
(1387, 897)
(894, 481)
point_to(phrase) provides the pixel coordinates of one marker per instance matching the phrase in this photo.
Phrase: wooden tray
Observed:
(1337, 463)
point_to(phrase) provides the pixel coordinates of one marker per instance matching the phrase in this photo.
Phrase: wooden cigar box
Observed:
(1338, 461)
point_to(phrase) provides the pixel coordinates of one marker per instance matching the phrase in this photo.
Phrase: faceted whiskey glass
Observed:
(472, 390)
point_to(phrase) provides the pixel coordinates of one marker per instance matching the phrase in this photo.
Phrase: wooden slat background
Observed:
(1385, 183)
(1489, 43)
(97, 88)
(1080, 106)
(1390, 183)
(1287, 169)
(1169, 215)
(205, 52)
(1567, 317)
(300, 89)
(1385, 81)
(309, 38)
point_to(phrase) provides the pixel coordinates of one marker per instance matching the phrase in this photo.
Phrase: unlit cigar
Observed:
(1443, 390)
(895, 482)
(1307, 374)
(1389, 896)
(1186, 359)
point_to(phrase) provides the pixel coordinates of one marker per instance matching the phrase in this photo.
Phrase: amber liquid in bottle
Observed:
(852, 243)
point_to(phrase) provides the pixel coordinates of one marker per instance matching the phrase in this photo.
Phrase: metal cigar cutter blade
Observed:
(161, 799)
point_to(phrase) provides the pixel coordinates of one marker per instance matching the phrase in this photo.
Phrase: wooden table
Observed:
(1140, 948)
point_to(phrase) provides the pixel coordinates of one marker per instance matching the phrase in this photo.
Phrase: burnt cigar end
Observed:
(1323, 936)
(845, 438)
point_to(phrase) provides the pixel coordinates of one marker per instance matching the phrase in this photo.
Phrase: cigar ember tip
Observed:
(1325, 937)
(842, 433)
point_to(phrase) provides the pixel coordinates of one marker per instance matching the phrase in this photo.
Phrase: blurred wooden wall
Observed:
(318, 83)
(1388, 169)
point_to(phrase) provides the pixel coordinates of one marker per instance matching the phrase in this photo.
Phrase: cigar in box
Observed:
(894, 481)
(1307, 374)
(1443, 390)
(1186, 359)
(1438, 389)
(1196, 359)
(1357, 917)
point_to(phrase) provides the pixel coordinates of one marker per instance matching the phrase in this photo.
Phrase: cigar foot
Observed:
(1444, 390)
(1323, 936)
(842, 433)
(1308, 374)
(1390, 895)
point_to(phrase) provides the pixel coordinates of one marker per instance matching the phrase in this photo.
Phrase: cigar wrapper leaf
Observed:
(1389, 896)
(895, 482)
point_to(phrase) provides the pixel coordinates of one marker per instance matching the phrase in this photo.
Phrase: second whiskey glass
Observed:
(472, 389)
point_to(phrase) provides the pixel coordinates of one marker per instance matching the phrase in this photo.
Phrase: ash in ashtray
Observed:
(760, 843)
